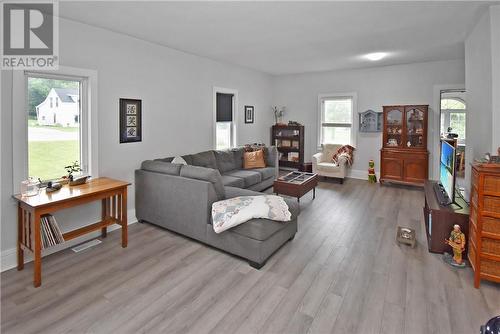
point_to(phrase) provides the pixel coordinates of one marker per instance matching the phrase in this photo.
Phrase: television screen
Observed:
(447, 169)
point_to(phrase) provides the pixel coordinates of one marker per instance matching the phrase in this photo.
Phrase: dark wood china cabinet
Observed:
(404, 157)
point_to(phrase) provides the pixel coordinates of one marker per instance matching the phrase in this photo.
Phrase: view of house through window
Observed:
(54, 113)
(336, 120)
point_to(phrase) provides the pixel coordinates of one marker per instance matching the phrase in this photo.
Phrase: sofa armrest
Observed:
(172, 201)
(272, 156)
(317, 158)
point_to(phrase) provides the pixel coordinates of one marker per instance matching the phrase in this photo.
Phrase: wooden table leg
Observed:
(124, 218)
(104, 213)
(314, 192)
(20, 226)
(37, 268)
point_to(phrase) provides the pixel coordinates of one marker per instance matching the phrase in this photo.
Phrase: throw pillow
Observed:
(179, 160)
(254, 159)
(256, 147)
(343, 151)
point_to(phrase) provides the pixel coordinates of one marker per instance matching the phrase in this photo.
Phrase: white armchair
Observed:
(322, 163)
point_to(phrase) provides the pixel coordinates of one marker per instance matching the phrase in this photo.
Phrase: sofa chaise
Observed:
(179, 198)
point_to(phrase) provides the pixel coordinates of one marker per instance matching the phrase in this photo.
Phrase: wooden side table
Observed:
(111, 193)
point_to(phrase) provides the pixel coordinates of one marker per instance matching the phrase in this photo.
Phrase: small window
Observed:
(224, 121)
(336, 120)
(51, 105)
(57, 102)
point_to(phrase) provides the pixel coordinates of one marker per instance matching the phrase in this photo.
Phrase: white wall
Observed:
(482, 73)
(176, 91)
(495, 66)
(375, 87)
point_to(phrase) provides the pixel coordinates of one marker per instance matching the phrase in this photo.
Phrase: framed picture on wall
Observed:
(249, 114)
(130, 120)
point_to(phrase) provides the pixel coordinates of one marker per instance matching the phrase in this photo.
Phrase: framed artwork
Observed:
(249, 114)
(130, 120)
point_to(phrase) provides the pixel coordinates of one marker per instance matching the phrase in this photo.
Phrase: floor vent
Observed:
(86, 245)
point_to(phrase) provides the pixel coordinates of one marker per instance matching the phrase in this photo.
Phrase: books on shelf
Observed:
(50, 233)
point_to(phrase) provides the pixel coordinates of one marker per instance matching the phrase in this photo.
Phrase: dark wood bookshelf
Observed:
(289, 140)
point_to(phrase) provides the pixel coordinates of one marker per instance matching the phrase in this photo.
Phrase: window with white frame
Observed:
(224, 121)
(56, 136)
(336, 119)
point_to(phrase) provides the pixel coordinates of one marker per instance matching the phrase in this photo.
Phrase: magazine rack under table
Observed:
(112, 194)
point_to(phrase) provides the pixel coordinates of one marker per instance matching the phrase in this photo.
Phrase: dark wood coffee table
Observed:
(296, 184)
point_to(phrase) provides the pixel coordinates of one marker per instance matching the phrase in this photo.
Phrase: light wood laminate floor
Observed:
(343, 273)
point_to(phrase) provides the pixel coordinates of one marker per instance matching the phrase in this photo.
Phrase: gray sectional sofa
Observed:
(179, 198)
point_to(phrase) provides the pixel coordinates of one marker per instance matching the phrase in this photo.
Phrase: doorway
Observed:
(453, 123)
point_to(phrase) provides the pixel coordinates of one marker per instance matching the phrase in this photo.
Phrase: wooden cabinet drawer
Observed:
(490, 267)
(490, 246)
(491, 225)
(492, 184)
(491, 204)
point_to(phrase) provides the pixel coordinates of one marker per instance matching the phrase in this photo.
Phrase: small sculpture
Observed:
(406, 235)
(457, 243)
(372, 177)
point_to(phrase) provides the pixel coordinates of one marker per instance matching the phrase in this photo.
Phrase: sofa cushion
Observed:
(250, 177)
(233, 181)
(225, 161)
(266, 172)
(169, 159)
(206, 174)
(258, 229)
(327, 166)
(231, 192)
(188, 158)
(238, 157)
(161, 167)
(204, 159)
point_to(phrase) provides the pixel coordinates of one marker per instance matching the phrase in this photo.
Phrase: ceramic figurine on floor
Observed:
(372, 177)
(457, 243)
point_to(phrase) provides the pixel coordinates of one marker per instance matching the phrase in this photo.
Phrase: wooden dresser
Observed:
(484, 223)
(404, 157)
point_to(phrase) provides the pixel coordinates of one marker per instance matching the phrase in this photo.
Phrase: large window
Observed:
(55, 136)
(336, 119)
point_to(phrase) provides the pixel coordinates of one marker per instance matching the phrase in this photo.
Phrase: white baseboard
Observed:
(9, 257)
(360, 174)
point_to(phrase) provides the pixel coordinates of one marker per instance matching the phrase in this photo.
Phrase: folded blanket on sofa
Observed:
(235, 211)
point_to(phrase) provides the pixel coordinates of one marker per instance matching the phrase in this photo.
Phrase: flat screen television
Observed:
(447, 169)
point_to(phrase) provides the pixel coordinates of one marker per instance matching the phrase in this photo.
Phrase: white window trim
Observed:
(354, 128)
(234, 127)
(20, 119)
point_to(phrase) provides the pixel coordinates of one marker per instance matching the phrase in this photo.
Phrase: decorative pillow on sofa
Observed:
(179, 160)
(254, 159)
(344, 152)
(256, 147)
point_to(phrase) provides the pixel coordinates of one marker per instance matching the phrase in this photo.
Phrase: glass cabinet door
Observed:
(394, 128)
(415, 118)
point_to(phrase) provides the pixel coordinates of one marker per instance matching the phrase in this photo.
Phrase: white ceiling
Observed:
(292, 37)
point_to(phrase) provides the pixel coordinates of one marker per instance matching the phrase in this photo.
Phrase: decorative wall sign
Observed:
(249, 114)
(130, 120)
(370, 121)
